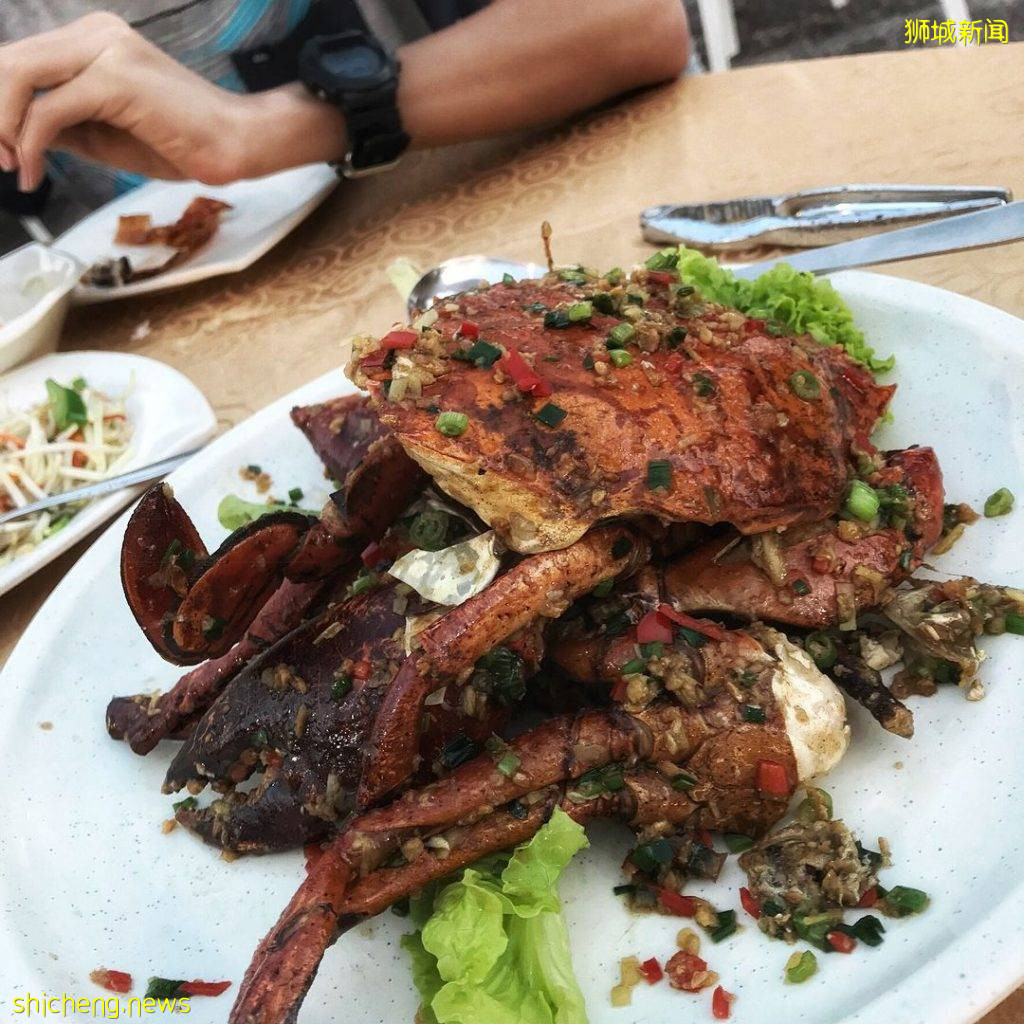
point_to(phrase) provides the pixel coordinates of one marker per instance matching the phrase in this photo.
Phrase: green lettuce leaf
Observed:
(492, 946)
(234, 512)
(794, 300)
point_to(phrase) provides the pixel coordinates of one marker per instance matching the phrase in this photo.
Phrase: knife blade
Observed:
(967, 231)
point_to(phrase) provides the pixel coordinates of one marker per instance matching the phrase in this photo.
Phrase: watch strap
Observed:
(376, 136)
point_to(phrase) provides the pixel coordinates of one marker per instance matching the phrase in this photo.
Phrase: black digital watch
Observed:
(356, 73)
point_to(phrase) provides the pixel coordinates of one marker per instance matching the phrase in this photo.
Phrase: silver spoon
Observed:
(463, 273)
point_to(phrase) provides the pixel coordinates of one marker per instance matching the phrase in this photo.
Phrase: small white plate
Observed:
(87, 878)
(169, 414)
(264, 211)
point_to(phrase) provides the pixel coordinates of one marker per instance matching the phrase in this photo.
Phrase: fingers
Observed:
(47, 60)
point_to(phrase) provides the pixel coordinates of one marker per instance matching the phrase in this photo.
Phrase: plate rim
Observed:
(993, 978)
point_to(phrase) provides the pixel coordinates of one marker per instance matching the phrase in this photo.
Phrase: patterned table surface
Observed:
(940, 115)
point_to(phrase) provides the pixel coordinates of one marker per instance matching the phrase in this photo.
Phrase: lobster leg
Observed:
(540, 585)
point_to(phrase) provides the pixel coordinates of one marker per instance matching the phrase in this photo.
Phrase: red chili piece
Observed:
(869, 899)
(652, 628)
(652, 971)
(371, 554)
(112, 981)
(661, 276)
(399, 339)
(523, 375)
(362, 670)
(841, 942)
(681, 970)
(721, 1003)
(203, 988)
(676, 903)
(749, 904)
(468, 329)
(772, 779)
(702, 626)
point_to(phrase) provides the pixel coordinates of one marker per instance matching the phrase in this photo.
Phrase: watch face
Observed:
(353, 62)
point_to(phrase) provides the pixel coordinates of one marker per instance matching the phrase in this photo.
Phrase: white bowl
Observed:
(35, 292)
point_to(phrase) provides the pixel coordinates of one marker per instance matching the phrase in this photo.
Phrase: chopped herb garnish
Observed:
(536, 307)
(666, 259)
(620, 335)
(703, 385)
(1014, 623)
(675, 337)
(603, 302)
(624, 890)
(801, 588)
(999, 503)
(632, 666)
(735, 843)
(429, 530)
(861, 501)
(684, 780)
(500, 672)
(691, 636)
(620, 357)
(652, 650)
(295, 495)
(574, 275)
(507, 279)
(364, 581)
(588, 361)
(452, 424)
(604, 588)
(597, 782)
(253, 469)
(557, 318)
(580, 312)
(726, 926)
(868, 929)
(801, 966)
(901, 901)
(508, 764)
(816, 806)
(457, 751)
(651, 856)
(483, 353)
(805, 385)
(771, 908)
(634, 299)
(550, 415)
(659, 474)
(752, 713)
(870, 857)
(66, 405)
(622, 547)
(190, 803)
(163, 988)
(822, 649)
(340, 687)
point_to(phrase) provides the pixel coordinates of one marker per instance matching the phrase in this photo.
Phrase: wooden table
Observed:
(941, 115)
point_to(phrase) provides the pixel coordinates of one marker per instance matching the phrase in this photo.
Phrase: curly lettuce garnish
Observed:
(795, 301)
(492, 947)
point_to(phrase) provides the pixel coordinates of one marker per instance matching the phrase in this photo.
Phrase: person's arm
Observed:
(98, 88)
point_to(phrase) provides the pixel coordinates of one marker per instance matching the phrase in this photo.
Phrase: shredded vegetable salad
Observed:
(76, 436)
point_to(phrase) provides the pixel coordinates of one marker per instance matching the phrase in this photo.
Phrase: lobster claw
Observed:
(190, 605)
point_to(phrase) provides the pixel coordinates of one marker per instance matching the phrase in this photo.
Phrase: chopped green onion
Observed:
(615, 275)
(536, 307)
(429, 530)
(772, 908)
(603, 302)
(620, 357)
(822, 649)
(634, 299)
(340, 687)
(624, 890)
(620, 335)
(507, 279)
(861, 501)
(752, 713)
(57, 525)
(684, 780)
(813, 928)
(557, 318)
(666, 259)
(801, 588)
(550, 415)
(632, 666)
(735, 843)
(483, 353)
(588, 361)
(597, 782)
(651, 856)
(800, 967)
(254, 469)
(66, 405)
(703, 385)
(659, 474)
(675, 337)
(1014, 623)
(817, 803)
(901, 901)
(726, 926)
(691, 636)
(452, 424)
(163, 988)
(653, 649)
(574, 275)
(508, 764)
(805, 385)
(295, 494)
(580, 312)
(190, 803)
(868, 930)
(604, 588)
(999, 503)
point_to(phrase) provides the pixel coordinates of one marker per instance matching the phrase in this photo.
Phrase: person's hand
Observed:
(99, 89)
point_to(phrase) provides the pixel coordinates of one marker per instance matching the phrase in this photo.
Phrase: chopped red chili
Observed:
(676, 903)
(468, 329)
(203, 988)
(371, 554)
(702, 626)
(400, 339)
(112, 981)
(749, 903)
(652, 628)
(651, 970)
(661, 276)
(721, 1003)
(772, 779)
(523, 375)
(362, 670)
(754, 324)
(869, 899)
(681, 970)
(841, 942)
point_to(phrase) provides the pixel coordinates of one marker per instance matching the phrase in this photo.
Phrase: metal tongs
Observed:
(817, 216)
